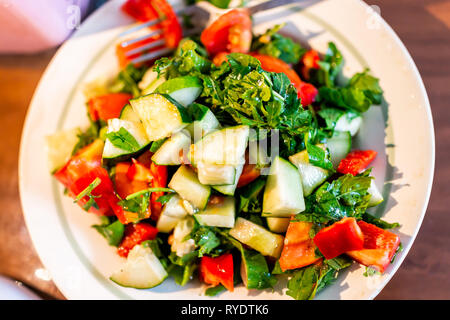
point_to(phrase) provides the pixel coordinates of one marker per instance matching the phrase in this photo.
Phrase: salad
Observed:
(230, 161)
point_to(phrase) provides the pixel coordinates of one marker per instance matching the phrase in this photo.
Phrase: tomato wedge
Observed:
(356, 161)
(299, 249)
(231, 32)
(134, 235)
(217, 270)
(309, 61)
(107, 106)
(306, 91)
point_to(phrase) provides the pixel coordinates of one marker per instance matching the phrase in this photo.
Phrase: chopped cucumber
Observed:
(278, 225)
(59, 147)
(218, 213)
(166, 223)
(184, 90)
(311, 176)
(213, 174)
(185, 183)
(142, 270)
(231, 188)
(339, 146)
(283, 195)
(174, 207)
(258, 238)
(376, 196)
(160, 115)
(348, 122)
(128, 113)
(152, 87)
(180, 245)
(169, 152)
(254, 270)
(257, 154)
(226, 146)
(204, 121)
(131, 130)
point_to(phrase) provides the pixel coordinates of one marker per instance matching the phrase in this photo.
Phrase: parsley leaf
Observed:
(113, 232)
(123, 139)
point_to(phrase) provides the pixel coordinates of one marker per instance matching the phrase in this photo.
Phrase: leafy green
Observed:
(250, 196)
(87, 192)
(86, 137)
(123, 139)
(209, 240)
(379, 222)
(157, 144)
(274, 44)
(361, 92)
(347, 196)
(128, 79)
(319, 157)
(329, 67)
(113, 232)
(165, 198)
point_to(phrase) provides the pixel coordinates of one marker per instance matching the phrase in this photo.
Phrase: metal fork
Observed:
(203, 13)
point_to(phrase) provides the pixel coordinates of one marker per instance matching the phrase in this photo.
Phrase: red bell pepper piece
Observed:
(379, 247)
(342, 236)
(107, 106)
(217, 270)
(309, 61)
(81, 170)
(231, 32)
(356, 161)
(306, 91)
(134, 235)
(299, 249)
(159, 181)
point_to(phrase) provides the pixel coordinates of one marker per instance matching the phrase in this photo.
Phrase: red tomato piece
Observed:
(159, 181)
(231, 32)
(217, 270)
(139, 10)
(309, 61)
(220, 58)
(299, 249)
(342, 236)
(379, 247)
(307, 93)
(249, 174)
(356, 161)
(134, 235)
(107, 106)
(139, 172)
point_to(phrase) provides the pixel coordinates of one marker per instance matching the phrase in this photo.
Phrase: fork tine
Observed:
(145, 37)
(151, 55)
(151, 45)
(140, 26)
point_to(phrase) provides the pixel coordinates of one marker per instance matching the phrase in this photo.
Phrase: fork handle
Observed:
(269, 5)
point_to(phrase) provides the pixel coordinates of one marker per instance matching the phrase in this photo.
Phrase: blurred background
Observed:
(422, 25)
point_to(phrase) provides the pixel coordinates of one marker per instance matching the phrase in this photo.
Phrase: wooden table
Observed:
(423, 25)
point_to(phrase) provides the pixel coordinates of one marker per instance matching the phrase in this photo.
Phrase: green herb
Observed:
(148, 190)
(88, 193)
(157, 144)
(329, 67)
(319, 157)
(128, 79)
(379, 222)
(113, 232)
(214, 291)
(274, 44)
(370, 272)
(165, 198)
(123, 139)
(86, 137)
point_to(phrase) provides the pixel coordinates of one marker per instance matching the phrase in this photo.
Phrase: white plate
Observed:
(401, 130)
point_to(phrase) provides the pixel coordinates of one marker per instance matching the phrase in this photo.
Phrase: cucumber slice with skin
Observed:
(185, 182)
(135, 129)
(205, 121)
(213, 174)
(170, 151)
(127, 113)
(258, 238)
(311, 176)
(226, 146)
(339, 146)
(283, 195)
(160, 115)
(220, 212)
(278, 225)
(348, 122)
(376, 196)
(180, 245)
(184, 90)
(59, 147)
(254, 270)
(142, 270)
(231, 188)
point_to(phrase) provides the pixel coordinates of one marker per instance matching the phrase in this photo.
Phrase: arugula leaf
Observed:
(113, 232)
(379, 222)
(361, 92)
(274, 44)
(123, 139)
(347, 196)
